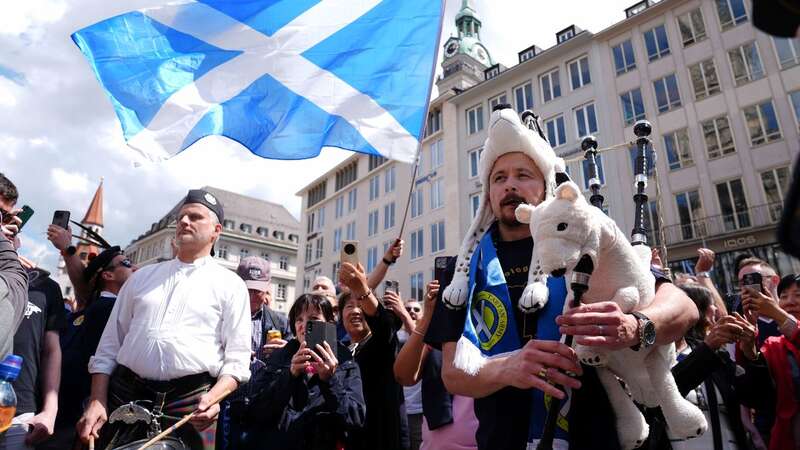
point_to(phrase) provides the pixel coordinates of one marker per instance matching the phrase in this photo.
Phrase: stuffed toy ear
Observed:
(568, 191)
(524, 212)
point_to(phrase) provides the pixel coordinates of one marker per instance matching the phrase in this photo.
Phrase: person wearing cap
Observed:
(516, 357)
(770, 378)
(178, 336)
(255, 272)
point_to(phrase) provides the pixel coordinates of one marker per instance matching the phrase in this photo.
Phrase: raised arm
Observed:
(390, 257)
(409, 362)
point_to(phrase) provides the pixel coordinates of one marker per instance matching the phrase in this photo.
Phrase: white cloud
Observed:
(9, 92)
(22, 16)
(69, 181)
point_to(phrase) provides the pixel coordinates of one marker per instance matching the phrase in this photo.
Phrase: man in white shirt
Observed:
(178, 336)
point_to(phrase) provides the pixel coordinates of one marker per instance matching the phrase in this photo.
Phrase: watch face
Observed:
(451, 49)
(649, 333)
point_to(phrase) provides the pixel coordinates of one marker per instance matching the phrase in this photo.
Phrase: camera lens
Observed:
(349, 249)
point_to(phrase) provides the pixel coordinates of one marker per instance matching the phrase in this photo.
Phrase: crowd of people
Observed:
(187, 335)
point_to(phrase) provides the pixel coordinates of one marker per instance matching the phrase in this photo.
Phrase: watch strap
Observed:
(641, 319)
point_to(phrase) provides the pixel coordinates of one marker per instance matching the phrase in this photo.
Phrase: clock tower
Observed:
(465, 57)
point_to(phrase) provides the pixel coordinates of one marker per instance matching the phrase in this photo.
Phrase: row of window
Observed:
(389, 183)
(733, 203)
(436, 197)
(417, 242)
(389, 211)
(230, 225)
(224, 252)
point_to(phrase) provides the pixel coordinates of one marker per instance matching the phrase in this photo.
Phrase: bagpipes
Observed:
(581, 274)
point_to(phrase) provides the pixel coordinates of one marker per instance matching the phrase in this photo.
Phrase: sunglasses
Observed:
(415, 309)
(124, 263)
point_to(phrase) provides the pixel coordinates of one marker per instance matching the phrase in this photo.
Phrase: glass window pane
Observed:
(619, 62)
(740, 203)
(555, 79)
(672, 91)
(546, 88)
(672, 153)
(724, 13)
(575, 75)
(711, 77)
(587, 79)
(754, 61)
(528, 96)
(590, 114)
(579, 118)
(650, 44)
(697, 23)
(663, 43)
(551, 132)
(630, 60)
(638, 104)
(562, 134)
(726, 207)
(770, 120)
(754, 125)
(661, 95)
(685, 27)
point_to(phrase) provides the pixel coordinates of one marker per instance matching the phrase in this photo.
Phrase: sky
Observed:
(59, 135)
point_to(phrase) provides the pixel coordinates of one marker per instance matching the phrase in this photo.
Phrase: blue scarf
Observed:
(493, 330)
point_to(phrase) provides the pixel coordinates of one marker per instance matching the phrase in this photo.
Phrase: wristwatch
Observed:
(703, 274)
(388, 262)
(647, 332)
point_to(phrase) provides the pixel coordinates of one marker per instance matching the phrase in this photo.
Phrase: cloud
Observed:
(24, 16)
(69, 181)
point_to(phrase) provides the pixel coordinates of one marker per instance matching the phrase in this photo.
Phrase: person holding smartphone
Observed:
(308, 396)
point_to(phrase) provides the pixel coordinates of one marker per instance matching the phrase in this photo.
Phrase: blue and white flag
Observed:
(282, 77)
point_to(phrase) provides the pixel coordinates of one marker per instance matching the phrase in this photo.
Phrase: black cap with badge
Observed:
(206, 199)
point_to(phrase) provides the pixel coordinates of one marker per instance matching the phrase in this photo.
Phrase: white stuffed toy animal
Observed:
(564, 229)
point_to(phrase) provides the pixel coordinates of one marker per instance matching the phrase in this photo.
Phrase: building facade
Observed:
(251, 227)
(723, 99)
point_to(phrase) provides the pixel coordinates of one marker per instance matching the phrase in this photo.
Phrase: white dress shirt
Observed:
(174, 319)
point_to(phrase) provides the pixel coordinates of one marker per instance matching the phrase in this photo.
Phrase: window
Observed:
(788, 51)
(390, 179)
(321, 218)
(437, 154)
(762, 123)
(523, 97)
(376, 161)
(632, 106)
(731, 13)
(655, 39)
(337, 239)
(280, 293)
(278, 235)
(334, 272)
(690, 211)
(551, 85)
(350, 231)
(244, 253)
(475, 203)
(474, 162)
(246, 228)
(319, 247)
(475, 119)
(692, 27)
(718, 136)
(624, 59)
(352, 200)
(437, 237)
(745, 63)
(775, 183)
(667, 95)
(556, 133)
(317, 194)
(309, 251)
(417, 286)
(497, 100)
(372, 258)
(704, 79)
(586, 120)
(600, 172)
(339, 210)
(733, 205)
(679, 154)
(633, 151)
(794, 97)
(417, 243)
(228, 225)
(223, 252)
(437, 193)
(565, 36)
(372, 225)
(579, 72)
(417, 206)
(346, 175)
(434, 122)
(310, 219)
(388, 216)
(374, 187)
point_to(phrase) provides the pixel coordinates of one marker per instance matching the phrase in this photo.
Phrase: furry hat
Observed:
(507, 134)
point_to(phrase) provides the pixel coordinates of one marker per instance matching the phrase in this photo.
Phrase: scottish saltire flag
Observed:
(282, 77)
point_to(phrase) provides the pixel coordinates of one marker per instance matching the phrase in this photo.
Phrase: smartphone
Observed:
(440, 268)
(391, 286)
(61, 219)
(318, 332)
(753, 281)
(350, 252)
(25, 215)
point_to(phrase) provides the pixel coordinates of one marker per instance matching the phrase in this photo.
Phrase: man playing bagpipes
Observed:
(506, 354)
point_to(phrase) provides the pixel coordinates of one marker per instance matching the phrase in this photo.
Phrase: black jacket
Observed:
(304, 413)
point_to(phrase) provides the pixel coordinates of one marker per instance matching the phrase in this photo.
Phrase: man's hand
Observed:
(60, 237)
(208, 414)
(393, 303)
(537, 364)
(354, 278)
(600, 324)
(706, 260)
(40, 428)
(93, 419)
(762, 304)
(272, 345)
(394, 251)
(655, 258)
(11, 224)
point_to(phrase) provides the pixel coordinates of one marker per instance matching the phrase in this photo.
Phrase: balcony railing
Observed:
(720, 225)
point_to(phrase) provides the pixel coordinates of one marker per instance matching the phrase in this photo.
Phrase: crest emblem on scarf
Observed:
(490, 318)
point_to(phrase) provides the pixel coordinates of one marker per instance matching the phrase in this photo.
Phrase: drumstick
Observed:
(91, 442)
(185, 419)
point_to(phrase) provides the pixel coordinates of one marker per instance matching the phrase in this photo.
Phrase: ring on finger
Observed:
(600, 329)
(543, 374)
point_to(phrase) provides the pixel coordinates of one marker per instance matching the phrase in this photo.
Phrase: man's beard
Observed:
(511, 199)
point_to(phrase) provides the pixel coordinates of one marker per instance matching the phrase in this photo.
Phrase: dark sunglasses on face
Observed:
(415, 309)
(124, 263)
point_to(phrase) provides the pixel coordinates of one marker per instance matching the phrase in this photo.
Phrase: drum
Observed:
(168, 443)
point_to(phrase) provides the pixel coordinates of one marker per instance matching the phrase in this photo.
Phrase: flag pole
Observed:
(424, 125)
